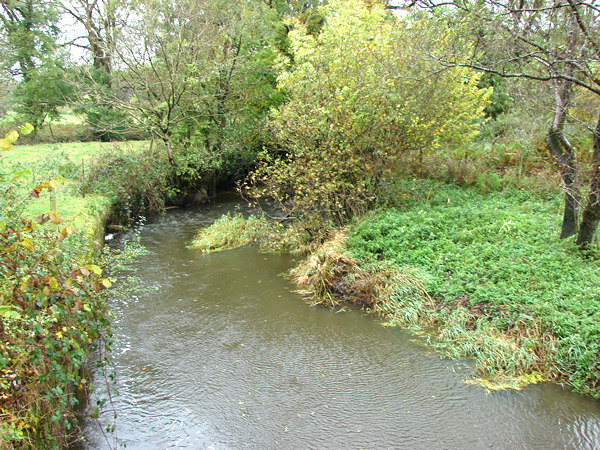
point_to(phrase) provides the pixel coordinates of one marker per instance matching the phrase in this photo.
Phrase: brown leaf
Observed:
(55, 218)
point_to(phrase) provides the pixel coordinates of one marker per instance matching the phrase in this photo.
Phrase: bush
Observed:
(362, 99)
(50, 313)
(136, 183)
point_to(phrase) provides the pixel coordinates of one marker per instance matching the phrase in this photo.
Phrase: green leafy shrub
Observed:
(108, 124)
(51, 312)
(362, 100)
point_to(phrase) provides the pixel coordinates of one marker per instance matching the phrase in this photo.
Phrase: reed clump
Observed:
(504, 358)
(230, 231)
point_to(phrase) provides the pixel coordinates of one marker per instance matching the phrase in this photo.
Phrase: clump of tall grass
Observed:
(330, 275)
(230, 231)
(504, 358)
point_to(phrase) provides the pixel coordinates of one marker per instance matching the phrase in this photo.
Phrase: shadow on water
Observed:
(223, 354)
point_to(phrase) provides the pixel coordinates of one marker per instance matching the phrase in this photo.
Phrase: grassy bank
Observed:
(70, 165)
(483, 275)
(51, 283)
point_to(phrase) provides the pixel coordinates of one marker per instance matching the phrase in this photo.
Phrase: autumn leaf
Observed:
(26, 129)
(11, 136)
(55, 218)
(5, 145)
(35, 192)
(66, 231)
(105, 282)
(53, 185)
(94, 268)
(27, 244)
(53, 283)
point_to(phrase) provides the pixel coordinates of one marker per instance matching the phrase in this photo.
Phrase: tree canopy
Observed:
(359, 96)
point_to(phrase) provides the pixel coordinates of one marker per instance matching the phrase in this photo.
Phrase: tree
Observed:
(195, 74)
(28, 39)
(551, 42)
(101, 20)
(360, 98)
(47, 88)
(28, 34)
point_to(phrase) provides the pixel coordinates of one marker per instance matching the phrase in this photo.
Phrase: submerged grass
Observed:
(484, 274)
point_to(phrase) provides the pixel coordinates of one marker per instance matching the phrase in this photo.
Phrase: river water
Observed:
(221, 353)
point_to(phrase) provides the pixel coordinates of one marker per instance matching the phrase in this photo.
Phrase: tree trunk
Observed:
(565, 160)
(565, 157)
(591, 213)
(589, 225)
(569, 223)
(169, 152)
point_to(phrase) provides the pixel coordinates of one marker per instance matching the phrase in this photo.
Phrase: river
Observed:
(221, 353)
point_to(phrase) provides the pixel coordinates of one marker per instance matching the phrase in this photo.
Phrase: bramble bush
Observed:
(135, 182)
(51, 312)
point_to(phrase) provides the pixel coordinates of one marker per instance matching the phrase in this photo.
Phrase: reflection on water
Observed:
(224, 355)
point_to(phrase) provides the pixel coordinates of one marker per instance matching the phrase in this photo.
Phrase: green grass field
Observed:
(68, 162)
(73, 151)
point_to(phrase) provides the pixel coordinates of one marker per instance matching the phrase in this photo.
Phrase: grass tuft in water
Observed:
(230, 231)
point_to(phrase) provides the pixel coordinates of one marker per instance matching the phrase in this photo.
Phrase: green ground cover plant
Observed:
(482, 272)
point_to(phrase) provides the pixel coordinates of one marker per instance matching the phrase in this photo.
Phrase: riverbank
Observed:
(57, 201)
(482, 276)
(52, 308)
